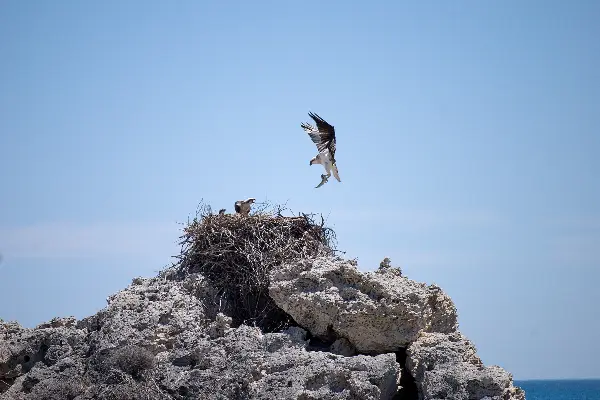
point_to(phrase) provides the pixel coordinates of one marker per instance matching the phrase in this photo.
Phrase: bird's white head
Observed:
(250, 200)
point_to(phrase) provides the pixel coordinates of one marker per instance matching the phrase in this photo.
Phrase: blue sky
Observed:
(468, 141)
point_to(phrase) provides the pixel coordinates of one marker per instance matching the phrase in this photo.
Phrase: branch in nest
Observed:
(237, 253)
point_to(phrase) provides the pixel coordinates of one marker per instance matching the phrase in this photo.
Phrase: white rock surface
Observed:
(170, 339)
(375, 312)
(155, 340)
(446, 366)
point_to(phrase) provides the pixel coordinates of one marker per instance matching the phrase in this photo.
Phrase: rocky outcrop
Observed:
(158, 340)
(30, 356)
(353, 336)
(376, 312)
(446, 366)
(288, 371)
(385, 312)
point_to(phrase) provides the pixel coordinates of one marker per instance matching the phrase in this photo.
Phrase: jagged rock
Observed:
(155, 341)
(360, 335)
(376, 312)
(58, 322)
(21, 349)
(220, 326)
(245, 362)
(153, 312)
(30, 356)
(446, 366)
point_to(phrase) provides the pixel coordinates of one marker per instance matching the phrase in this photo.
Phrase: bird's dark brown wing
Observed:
(327, 130)
(325, 139)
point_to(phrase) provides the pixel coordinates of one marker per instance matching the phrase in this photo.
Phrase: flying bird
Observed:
(324, 137)
(243, 206)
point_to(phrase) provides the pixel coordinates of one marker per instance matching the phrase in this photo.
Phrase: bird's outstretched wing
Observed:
(323, 136)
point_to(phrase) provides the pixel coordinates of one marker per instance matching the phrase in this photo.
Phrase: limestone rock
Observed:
(157, 340)
(245, 363)
(150, 311)
(360, 336)
(58, 349)
(446, 366)
(376, 312)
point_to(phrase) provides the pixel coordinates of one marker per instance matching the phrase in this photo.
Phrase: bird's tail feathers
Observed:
(335, 172)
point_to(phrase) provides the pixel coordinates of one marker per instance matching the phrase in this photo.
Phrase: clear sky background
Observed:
(468, 147)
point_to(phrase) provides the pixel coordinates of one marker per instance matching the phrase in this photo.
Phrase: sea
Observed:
(584, 389)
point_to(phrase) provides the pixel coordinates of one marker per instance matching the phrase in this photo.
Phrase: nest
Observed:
(236, 254)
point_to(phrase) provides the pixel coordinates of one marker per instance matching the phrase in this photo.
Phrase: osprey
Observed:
(222, 211)
(243, 206)
(324, 137)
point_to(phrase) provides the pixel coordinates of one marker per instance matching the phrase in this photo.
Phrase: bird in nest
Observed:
(243, 206)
